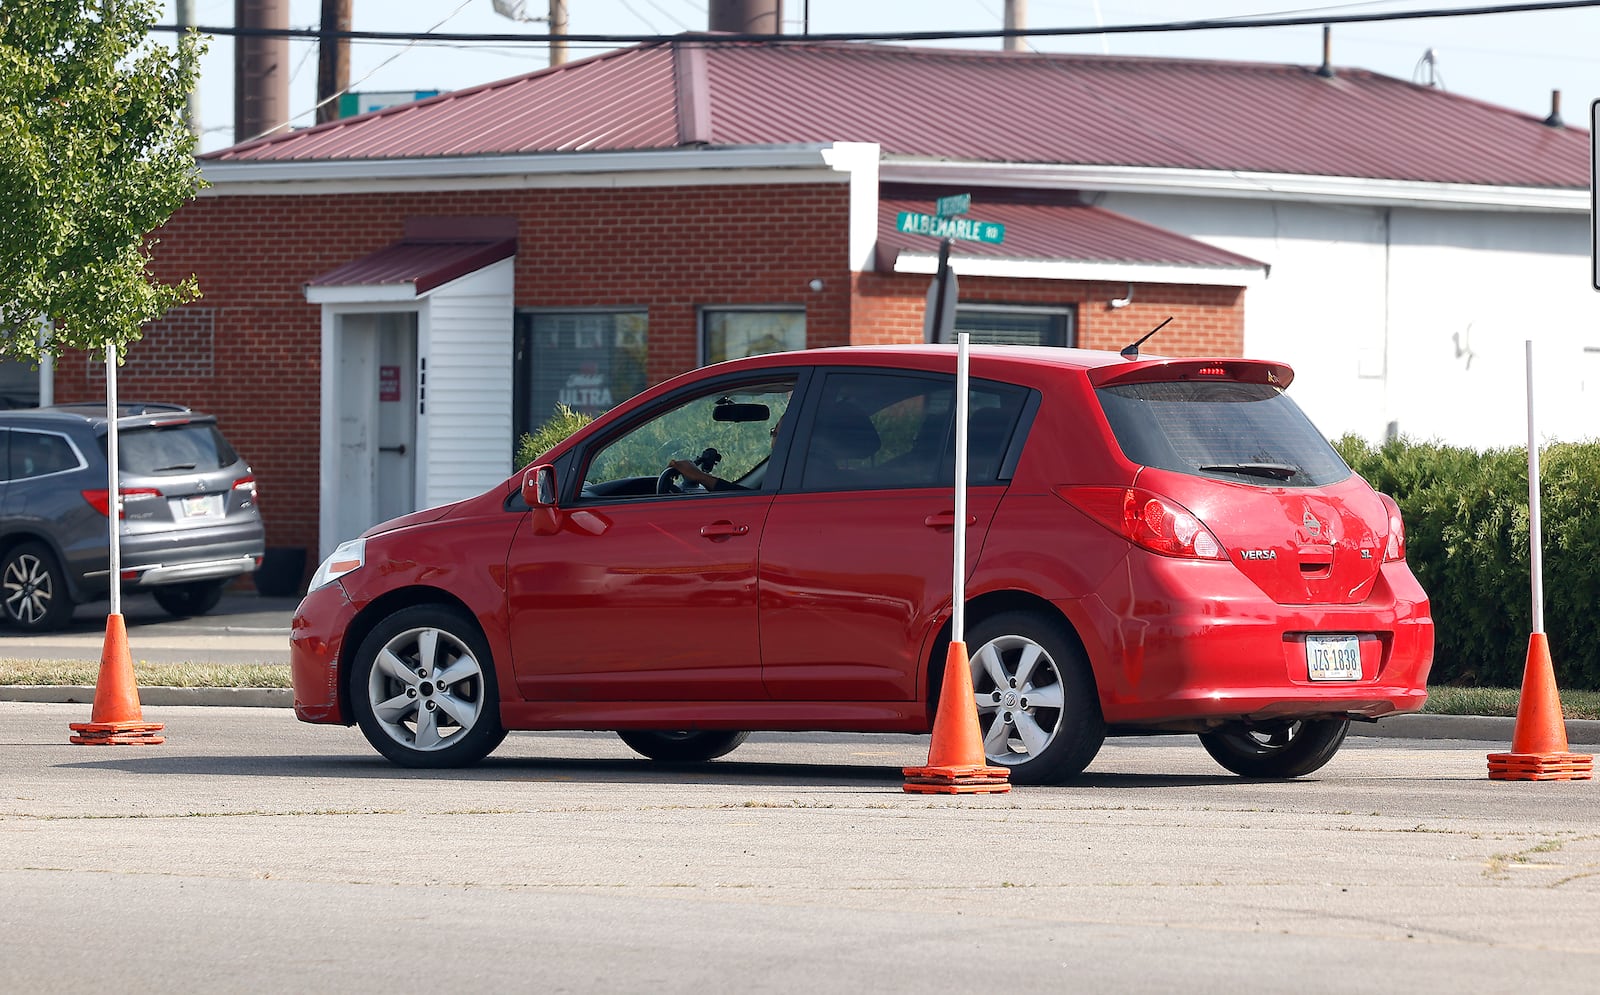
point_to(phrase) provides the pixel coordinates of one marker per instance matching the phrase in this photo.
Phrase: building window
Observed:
(733, 334)
(589, 361)
(1005, 324)
(19, 384)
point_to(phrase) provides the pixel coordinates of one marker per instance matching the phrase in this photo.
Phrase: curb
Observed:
(155, 695)
(1483, 728)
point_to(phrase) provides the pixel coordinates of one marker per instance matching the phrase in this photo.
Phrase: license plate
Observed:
(1333, 658)
(202, 506)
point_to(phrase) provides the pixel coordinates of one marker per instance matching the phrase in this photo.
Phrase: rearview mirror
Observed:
(539, 486)
(732, 411)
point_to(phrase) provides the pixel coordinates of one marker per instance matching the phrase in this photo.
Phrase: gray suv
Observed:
(189, 517)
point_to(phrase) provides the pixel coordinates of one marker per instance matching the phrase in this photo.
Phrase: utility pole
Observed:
(333, 59)
(1016, 20)
(260, 69)
(746, 17)
(558, 32)
(191, 106)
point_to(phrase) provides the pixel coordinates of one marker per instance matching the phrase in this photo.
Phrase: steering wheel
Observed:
(667, 482)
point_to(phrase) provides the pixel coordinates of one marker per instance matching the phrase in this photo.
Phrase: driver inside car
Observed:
(694, 475)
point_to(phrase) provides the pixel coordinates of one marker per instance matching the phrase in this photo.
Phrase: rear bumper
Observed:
(1188, 662)
(182, 573)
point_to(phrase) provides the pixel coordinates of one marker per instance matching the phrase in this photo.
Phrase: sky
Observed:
(1514, 60)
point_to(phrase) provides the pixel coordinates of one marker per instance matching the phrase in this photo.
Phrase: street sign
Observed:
(969, 229)
(959, 203)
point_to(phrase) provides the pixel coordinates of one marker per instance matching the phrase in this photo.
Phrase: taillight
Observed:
(248, 485)
(100, 500)
(1395, 549)
(1147, 520)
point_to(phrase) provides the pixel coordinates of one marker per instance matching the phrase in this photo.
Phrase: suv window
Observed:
(1244, 432)
(173, 449)
(34, 454)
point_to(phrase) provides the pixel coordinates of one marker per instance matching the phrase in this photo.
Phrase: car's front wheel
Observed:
(682, 747)
(34, 588)
(1038, 710)
(194, 598)
(423, 689)
(1292, 748)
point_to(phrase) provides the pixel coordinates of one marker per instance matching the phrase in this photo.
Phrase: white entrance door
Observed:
(376, 403)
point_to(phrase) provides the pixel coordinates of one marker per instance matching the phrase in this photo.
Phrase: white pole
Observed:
(958, 586)
(1535, 532)
(114, 508)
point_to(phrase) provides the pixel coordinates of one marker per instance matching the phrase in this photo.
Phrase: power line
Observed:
(1213, 24)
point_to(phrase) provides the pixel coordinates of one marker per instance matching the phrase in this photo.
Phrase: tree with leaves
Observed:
(95, 155)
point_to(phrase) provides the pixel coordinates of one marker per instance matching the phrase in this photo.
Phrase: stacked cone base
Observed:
(117, 733)
(968, 780)
(1541, 767)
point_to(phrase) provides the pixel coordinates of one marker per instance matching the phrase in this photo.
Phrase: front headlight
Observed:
(347, 557)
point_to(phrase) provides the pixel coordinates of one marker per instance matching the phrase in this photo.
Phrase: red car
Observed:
(1153, 546)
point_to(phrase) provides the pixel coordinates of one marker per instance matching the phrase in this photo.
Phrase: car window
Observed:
(728, 433)
(1244, 432)
(196, 446)
(35, 454)
(876, 430)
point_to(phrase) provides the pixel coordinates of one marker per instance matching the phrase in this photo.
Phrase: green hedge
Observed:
(541, 440)
(1466, 515)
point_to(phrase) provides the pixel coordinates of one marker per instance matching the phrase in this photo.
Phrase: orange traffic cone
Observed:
(1539, 740)
(116, 718)
(956, 763)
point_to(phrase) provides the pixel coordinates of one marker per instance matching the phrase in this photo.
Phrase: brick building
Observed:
(390, 300)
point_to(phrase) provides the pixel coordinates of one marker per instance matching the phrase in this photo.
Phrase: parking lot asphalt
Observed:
(248, 628)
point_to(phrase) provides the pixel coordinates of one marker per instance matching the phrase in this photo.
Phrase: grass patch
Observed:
(180, 675)
(1503, 701)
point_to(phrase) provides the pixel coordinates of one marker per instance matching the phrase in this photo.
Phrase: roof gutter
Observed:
(1245, 185)
(479, 172)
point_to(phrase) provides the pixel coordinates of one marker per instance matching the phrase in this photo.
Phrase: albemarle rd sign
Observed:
(968, 229)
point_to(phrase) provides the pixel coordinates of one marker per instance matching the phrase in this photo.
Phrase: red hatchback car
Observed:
(1153, 546)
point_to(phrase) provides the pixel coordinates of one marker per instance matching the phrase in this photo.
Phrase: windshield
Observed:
(1250, 433)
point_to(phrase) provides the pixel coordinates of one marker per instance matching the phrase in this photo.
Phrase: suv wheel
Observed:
(34, 588)
(194, 598)
(1038, 709)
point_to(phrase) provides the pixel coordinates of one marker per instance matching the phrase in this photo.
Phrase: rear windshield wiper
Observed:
(1276, 471)
(175, 466)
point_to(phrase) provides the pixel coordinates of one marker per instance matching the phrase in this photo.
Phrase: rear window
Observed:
(195, 447)
(1244, 432)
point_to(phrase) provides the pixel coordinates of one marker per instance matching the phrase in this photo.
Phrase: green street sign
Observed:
(959, 203)
(968, 229)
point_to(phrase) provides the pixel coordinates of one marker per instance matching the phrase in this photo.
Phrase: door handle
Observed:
(947, 520)
(722, 530)
(401, 449)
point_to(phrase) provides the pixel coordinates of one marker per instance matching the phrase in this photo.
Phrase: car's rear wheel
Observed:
(194, 598)
(423, 689)
(682, 747)
(34, 588)
(1291, 748)
(1038, 710)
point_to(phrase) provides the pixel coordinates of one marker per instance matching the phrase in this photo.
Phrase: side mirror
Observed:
(539, 486)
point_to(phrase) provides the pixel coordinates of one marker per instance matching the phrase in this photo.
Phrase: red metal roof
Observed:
(425, 264)
(970, 106)
(1049, 227)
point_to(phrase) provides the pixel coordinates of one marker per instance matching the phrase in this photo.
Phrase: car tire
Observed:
(184, 600)
(1288, 749)
(406, 711)
(34, 589)
(1038, 710)
(682, 747)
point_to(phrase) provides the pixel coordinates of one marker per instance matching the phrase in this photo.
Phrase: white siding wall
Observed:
(466, 430)
(1371, 305)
